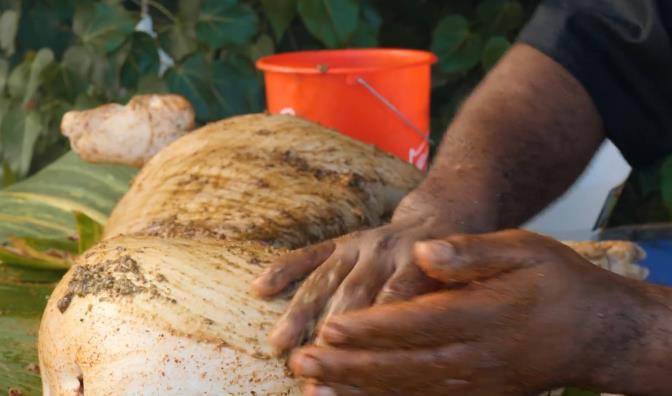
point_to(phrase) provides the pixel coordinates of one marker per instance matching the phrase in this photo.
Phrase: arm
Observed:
(517, 143)
(521, 138)
(530, 315)
(645, 344)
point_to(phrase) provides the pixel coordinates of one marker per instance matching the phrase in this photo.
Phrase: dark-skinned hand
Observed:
(351, 272)
(520, 313)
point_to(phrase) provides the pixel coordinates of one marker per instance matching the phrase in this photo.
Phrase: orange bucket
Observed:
(378, 96)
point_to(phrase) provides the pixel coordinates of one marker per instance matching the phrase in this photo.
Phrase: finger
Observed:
(362, 284)
(381, 370)
(465, 258)
(407, 282)
(435, 319)
(310, 300)
(291, 267)
(359, 288)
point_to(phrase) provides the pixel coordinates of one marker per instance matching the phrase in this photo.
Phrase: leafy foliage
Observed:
(23, 296)
(57, 55)
(89, 232)
(42, 206)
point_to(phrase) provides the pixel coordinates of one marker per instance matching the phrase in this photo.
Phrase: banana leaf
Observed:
(23, 295)
(42, 206)
(37, 214)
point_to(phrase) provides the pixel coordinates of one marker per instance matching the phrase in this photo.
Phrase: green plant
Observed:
(50, 217)
(42, 206)
(23, 296)
(56, 55)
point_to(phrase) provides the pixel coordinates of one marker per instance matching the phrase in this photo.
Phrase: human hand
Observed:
(521, 314)
(351, 272)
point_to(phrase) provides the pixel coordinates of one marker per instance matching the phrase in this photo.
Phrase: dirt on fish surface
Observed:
(120, 276)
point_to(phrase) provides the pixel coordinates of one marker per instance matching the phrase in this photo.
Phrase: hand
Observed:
(521, 314)
(351, 272)
(363, 268)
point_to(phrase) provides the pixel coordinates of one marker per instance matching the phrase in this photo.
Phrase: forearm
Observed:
(640, 363)
(517, 143)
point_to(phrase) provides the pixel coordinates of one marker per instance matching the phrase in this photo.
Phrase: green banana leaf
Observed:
(23, 295)
(42, 206)
(40, 211)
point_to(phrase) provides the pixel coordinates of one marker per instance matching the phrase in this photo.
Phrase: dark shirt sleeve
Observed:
(620, 51)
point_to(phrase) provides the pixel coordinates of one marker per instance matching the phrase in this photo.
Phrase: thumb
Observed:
(466, 258)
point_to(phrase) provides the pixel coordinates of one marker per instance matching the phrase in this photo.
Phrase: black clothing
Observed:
(621, 52)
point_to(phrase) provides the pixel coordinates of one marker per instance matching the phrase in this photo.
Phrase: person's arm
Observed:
(530, 315)
(517, 143)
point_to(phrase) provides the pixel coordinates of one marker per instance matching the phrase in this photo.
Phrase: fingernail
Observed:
(260, 284)
(332, 334)
(257, 283)
(306, 365)
(281, 335)
(319, 390)
(435, 251)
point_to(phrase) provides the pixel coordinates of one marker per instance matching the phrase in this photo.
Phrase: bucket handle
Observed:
(424, 135)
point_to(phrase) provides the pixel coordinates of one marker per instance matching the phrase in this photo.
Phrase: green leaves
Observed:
(225, 22)
(9, 25)
(21, 254)
(449, 35)
(21, 304)
(331, 21)
(4, 74)
(215, 89)
(179, 39)
(142, 59)
(70, 78)
(280, 14)
(236, 91)
(89, 232)
(18, 78)
(460, 48)
(103, 25)
(79, 54)
(51, 253)
(19, 132)
(366, 34)
(494, 49)
(191, 79)
(463, 44)
(42, 60)
(41, 206)
(457, 48)
(262, 47)
(500, 16)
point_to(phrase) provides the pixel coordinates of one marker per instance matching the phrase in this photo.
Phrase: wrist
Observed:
(444, 214)
(637, 357)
